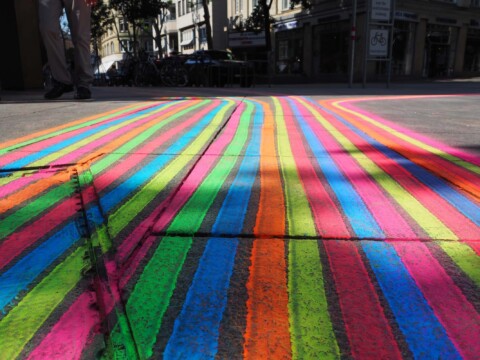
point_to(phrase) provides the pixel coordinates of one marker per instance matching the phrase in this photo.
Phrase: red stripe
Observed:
(458, 316)
(361, 308)
(328, 220)
(437, 205)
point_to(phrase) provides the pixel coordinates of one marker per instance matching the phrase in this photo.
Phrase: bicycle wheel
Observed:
(181, 76)
(166, 73)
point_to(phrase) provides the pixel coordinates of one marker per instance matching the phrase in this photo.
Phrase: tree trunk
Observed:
(208, 26)
(266, 23)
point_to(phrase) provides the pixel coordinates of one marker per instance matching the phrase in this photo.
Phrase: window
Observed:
(112, 48)
(179, 5)
(238, 6)
(126, 45)
(285, 4)
(202, 34)
(122, 25)
(148, 46)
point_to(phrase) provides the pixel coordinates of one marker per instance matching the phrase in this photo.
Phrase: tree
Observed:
(141, 15)
(100, 21)
(208, 26)
(260, 18)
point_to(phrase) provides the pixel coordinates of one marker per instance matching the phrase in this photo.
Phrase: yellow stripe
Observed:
(429, 222)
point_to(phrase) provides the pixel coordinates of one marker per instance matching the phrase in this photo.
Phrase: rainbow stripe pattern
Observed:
(278, 227)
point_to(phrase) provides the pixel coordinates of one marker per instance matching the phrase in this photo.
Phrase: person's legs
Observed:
(49, 14)
(78, 14)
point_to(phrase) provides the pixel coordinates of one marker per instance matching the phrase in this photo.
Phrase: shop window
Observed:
(472, 52)
(403, 47)
(290, 52)
(331, 48)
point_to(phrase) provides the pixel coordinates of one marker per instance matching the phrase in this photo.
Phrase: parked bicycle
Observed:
(173, 72)
(146, 71)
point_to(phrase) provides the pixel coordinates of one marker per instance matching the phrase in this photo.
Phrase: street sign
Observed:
(378, 42)
(381, 10)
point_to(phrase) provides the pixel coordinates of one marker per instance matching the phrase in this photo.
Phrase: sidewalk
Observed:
(311, 221)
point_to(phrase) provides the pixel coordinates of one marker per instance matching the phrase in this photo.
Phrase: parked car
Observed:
(218, 68)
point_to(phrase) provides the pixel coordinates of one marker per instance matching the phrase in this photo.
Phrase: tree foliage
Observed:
(261, 20)
(141, 15)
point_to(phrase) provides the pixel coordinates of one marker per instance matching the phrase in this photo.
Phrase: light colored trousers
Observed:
(78, 15)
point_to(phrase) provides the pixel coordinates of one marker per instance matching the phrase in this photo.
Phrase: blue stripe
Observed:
(196, 330)
(362, 222)
(117, 195)
(63, 144)
(439, 186)
(27, 269)
(424, 334)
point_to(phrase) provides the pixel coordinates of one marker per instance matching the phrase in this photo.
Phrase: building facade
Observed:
(429, 38)
(426, 38)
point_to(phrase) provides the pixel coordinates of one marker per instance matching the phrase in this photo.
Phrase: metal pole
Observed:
(353, 36)
(366, 42)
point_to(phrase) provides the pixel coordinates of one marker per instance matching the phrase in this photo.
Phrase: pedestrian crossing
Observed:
(261, 227)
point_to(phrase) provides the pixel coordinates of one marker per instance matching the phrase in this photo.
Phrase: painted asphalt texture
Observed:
(270, 227)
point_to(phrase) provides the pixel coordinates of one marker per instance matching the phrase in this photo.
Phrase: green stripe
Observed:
(129, 210)
(299, 215)
(68, 129)
(429, 222)
(311, 327)
(74, 147)
(140, 139)
(30, 211)
(465, 257)
(409, 139)
(151, 296)
(24, 320)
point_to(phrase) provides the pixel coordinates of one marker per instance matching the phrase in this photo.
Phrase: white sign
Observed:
(246, 39)
(381, 10)
(378, 42)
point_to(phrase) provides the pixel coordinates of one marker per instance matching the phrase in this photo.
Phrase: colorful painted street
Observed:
(240, 227)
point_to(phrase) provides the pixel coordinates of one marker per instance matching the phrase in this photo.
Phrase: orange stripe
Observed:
(42, 185)
(52, 130)
(430, 161)
(32, 190)
(267, 328)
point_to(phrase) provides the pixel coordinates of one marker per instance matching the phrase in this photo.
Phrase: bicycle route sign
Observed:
(378, 42)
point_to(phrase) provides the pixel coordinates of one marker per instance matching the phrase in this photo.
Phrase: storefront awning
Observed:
(186, 42)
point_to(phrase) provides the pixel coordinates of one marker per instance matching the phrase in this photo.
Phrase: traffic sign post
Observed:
(379, 35)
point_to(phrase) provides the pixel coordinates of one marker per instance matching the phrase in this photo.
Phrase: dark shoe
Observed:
(83, 93)
(58, 90)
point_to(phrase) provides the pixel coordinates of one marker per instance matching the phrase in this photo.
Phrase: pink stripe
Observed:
(387, 216)
(164, 213)
(475, 245)
(22, 182)
(458, 316)
(52, 345)
(444, 168)
(443, 210)
(349, 104)
(38, 146)
(70, 335)
(129, 162)
(361, 308)
(328, 220)
(14, 244)
(71, 157)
